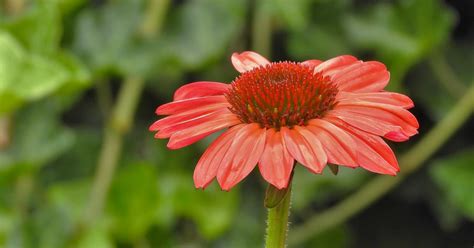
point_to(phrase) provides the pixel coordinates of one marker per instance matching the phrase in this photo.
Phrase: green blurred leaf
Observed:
(324, 36)
(401, 33)
(336, 237)
(319, 188)
(38, 138)
(38, 29)
(46, 74)
(133, 201)
(454, 175)
(194, 34)
(211, 209)
(101, 38)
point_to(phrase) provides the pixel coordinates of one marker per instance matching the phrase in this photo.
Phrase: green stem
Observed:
(277, 222)
(446, 77)
(262, 28)
(379, 186)
(120, 123)
(5, 128)
(121, 120)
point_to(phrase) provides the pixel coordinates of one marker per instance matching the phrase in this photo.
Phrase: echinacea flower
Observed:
(313, 112)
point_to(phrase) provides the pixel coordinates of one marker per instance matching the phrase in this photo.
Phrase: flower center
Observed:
(281, 94)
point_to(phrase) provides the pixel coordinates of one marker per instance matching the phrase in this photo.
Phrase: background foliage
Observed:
(65, 63)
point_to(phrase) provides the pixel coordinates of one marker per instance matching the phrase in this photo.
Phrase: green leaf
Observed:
(102, 39)
(318, 188)
(211, 209)
(401, 33)
(39, 29)
(133, 201)
(45, 74)
(37, 139)
(111, 45)
(454, 177)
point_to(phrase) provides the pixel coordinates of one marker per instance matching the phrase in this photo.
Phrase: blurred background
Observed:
(80, 80)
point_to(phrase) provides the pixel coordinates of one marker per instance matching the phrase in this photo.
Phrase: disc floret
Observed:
(281, 94)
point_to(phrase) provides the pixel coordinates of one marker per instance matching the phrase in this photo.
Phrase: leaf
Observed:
(102, 39)
(38, 138)
(111, 45)
(39, 29)
(45, 74)
(133, 201)
(319, 188)
(401, 33)
(454, 177)
(211, 209)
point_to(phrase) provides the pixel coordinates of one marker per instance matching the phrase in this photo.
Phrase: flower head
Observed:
(313, 112)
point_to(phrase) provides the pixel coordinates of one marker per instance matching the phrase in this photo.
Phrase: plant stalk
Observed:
(277, 222)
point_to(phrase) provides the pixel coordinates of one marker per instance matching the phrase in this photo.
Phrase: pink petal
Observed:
(206, 168)
(330, 66)
(311, 63)
(242, 156)
(188, 104)
(390, 98)
(200, 89)
(189, 123)
(187, 115)
(392, 122)
(247, 61)
(373, 153)
(339, 146)
(305, 147)
(192, 134)
(276, 163)
(371, 76)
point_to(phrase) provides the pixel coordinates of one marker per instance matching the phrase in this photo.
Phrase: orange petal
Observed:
(242, 156)
(276, 163)
(248, 60)
(339, 146)
(305, 147)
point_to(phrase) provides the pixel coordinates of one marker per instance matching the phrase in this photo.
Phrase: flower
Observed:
(313, 112)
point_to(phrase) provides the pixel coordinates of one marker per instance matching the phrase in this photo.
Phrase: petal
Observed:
(276, 163)
(390, 98)
(305, 147)
(392, 122)
(206, 168)
(187, 115)
(242, 156)
(311, 63)
(247, 61)
(189, 123)
(200, 89)
(371, 76)
(339, 146)
(334, 64)
(190, 135)
(373, 153)
(188, 104)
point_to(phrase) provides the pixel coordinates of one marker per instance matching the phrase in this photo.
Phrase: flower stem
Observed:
(381, 185)
(121, 120)
(262, 28)
(277, 222)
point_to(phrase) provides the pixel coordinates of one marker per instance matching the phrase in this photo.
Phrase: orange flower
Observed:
(313, 112)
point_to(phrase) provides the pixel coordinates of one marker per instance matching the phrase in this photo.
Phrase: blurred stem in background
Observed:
(381, 185)
(446, 76)
(5, 125)
(262, 28)
(14, 7)
(121, 119)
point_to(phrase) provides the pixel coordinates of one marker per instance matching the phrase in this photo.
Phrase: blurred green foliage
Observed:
(57, 56)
